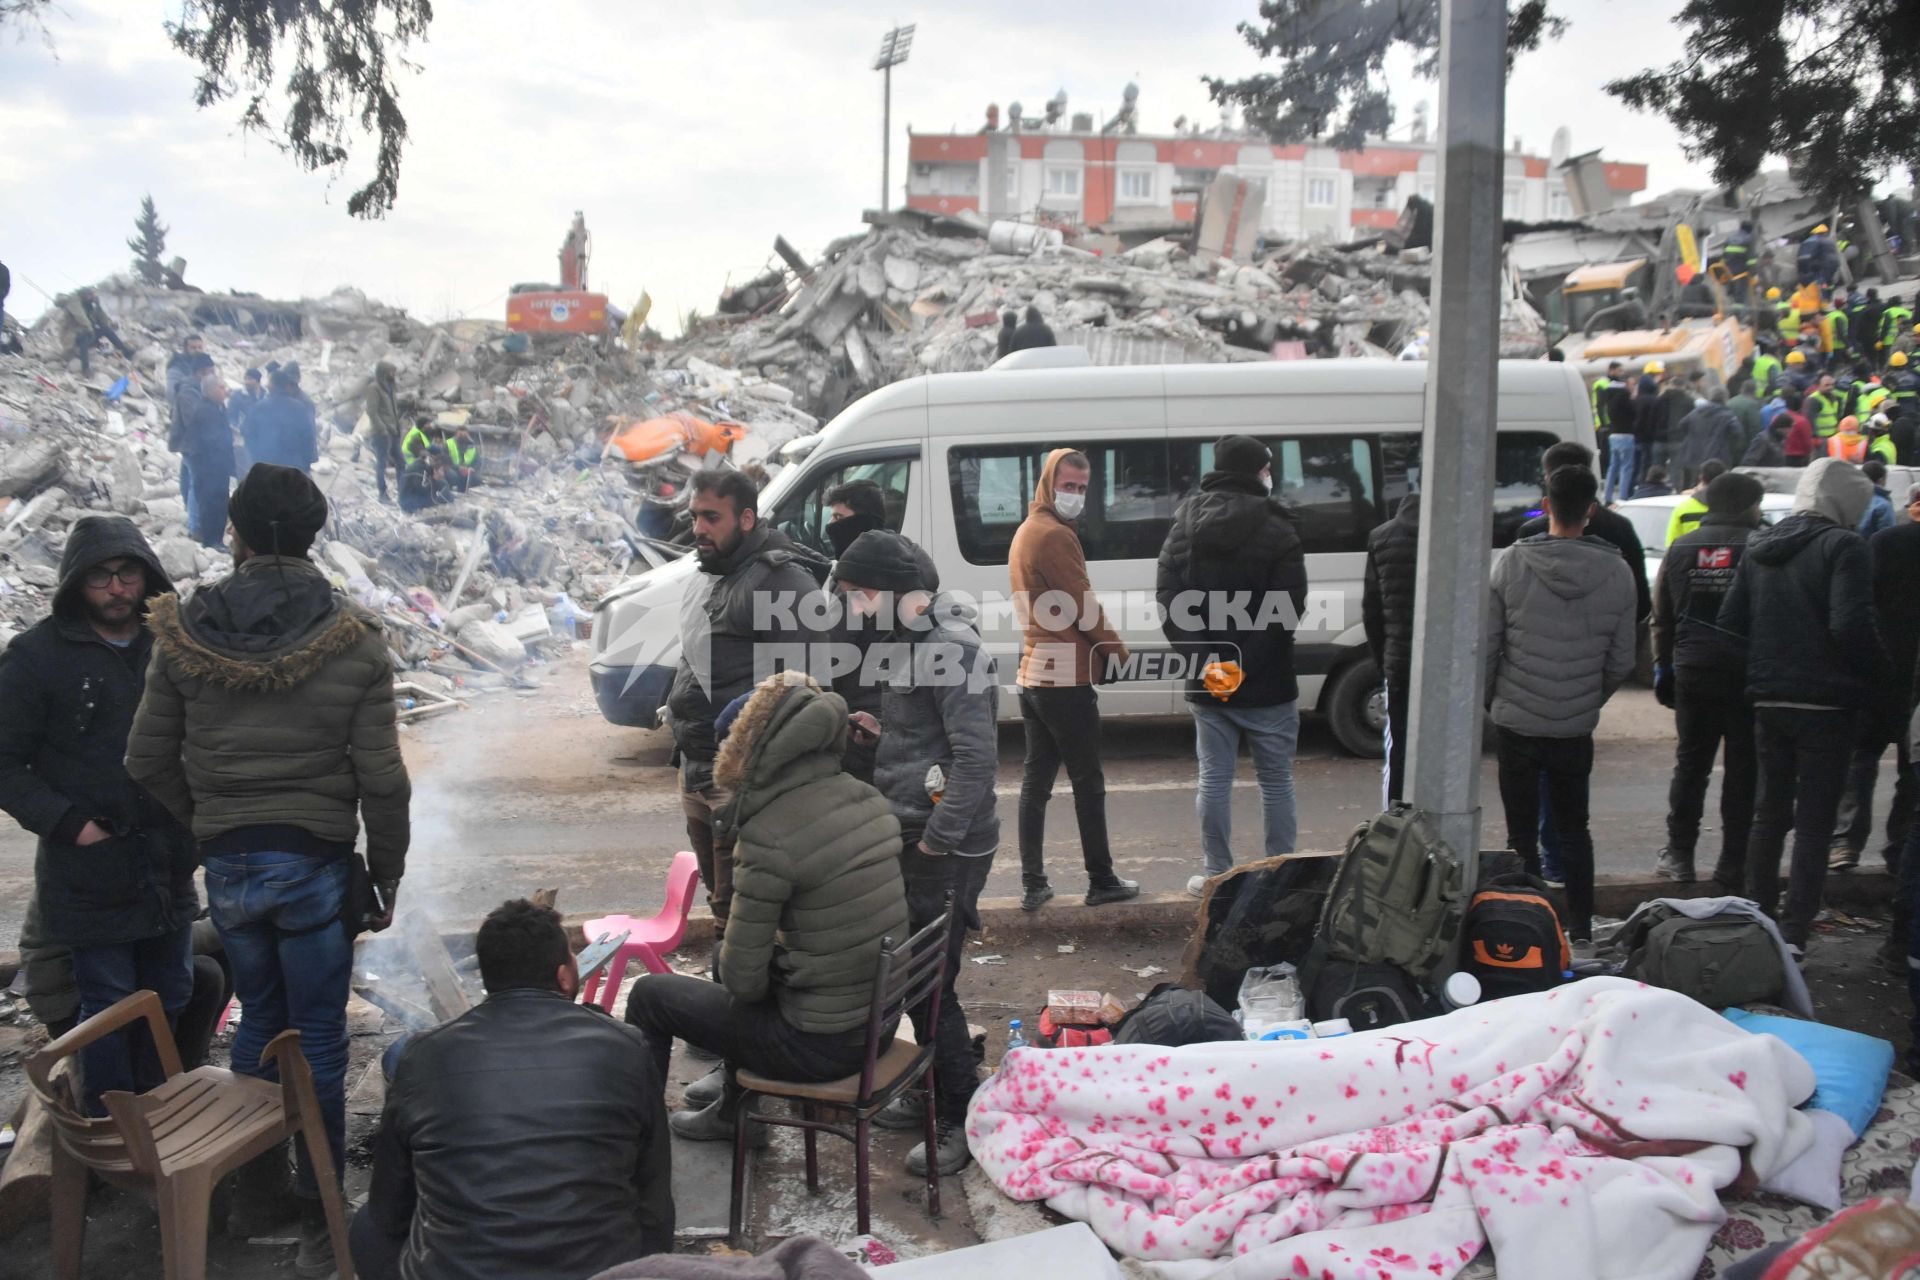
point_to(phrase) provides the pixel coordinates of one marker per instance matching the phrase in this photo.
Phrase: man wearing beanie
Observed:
(280, 429)
(267, 726)
(1701, 673)
(938, 749)
(1803, 602)
(1232, 539)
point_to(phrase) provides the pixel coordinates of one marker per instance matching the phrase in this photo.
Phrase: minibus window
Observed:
(1516, 476)
(1130, 501)
(804, 513)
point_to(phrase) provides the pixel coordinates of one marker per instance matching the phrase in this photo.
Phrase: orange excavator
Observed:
(570, 309)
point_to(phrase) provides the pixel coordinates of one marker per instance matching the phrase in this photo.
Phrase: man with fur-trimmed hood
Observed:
(113, 874)
(816, 888)
(268, 727)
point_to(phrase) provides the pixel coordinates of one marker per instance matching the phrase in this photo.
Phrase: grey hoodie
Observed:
(1835, 489)
(1561, 634)
(939, 707)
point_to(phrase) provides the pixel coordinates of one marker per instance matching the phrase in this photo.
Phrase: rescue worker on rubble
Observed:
(1032, 333)
(426, 482)
(113, 871)
(463, 458)
(1818, 259)
(417, 441)
(184, 371)
(267, 726)
(86, 321)
(383, 425)
(1737, 258)
(281, 428)
(207, 450)
(1009, 325)
(239, 404)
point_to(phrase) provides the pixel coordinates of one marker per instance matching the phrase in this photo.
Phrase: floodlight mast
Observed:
(894, 48)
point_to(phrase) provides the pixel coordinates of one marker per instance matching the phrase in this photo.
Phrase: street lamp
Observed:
(894, 48)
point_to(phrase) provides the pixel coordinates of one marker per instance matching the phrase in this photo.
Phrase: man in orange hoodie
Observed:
(1068, 647)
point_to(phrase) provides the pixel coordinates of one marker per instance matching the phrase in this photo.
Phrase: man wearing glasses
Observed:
(113, 877)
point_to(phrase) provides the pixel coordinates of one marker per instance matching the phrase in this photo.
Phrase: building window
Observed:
(1320, 193)
(1559, 204)
(1013, 181)
(1063, 182)
(1510, 201)
(1136, 186)
(1382, 196)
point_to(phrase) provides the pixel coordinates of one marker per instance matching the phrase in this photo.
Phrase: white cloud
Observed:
(689, 135)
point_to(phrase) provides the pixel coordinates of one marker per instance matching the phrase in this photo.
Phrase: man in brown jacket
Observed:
(267, 726)
(1068, 647)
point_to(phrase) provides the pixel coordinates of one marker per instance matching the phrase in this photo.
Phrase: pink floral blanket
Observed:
(1583, 1132)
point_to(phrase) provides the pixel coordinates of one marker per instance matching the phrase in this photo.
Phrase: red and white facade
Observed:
(1119, 179)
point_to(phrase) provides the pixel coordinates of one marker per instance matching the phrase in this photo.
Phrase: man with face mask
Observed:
(1232, 541)
(738, 624)
(854, 508)
(857, 508)
(1068, 647)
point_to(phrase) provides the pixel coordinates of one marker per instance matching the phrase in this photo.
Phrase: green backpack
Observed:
(1721, 961)
(1398, 897)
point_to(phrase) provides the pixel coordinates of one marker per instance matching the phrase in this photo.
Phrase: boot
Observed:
(950, 1152)
(714, 1123)
(908, 1111)
(1119, 891)
(1842, 858)
(1036, 897)
(315, 1259)
(1675, 866)
(706, 1091)
(263, 1201)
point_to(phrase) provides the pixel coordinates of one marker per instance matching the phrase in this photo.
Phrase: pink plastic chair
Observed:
(648, 941)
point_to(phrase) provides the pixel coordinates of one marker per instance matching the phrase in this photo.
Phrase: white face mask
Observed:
(1266, 481)
(1069, 505)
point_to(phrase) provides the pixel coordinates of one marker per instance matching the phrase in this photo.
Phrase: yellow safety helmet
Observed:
(1916, 331)
(1820, 230)
(1796, 357)
(1898, 360)
(1654, 366)
(1773, 294)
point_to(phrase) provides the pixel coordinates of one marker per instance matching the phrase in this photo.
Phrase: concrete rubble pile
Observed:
(471, 589)
(915, 295)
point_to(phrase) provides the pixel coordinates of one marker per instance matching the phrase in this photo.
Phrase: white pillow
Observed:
(1814, 1177)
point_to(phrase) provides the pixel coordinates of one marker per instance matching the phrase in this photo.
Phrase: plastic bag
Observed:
(1270, 994)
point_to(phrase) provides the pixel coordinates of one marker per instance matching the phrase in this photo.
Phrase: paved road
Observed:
(518, 793)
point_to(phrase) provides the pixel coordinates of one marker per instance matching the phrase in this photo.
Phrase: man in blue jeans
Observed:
(1231, 584)
(268, 726)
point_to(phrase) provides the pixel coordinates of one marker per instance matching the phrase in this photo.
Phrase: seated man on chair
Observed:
(816, 888)
(525, 1138)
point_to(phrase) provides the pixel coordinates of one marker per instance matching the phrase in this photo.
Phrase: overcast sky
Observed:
(689, 134)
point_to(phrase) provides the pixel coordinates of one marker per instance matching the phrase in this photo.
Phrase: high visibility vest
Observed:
(1807, 299)
(462, 456)
(1825, 411)
(414, 444)
(1883, 448)
(1893, 321)
(1601, 385)
(1833, 331)
(1789, 316)
(1766, 369)
(1848, 447)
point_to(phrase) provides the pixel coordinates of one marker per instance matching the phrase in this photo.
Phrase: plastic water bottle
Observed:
(1014, 1039)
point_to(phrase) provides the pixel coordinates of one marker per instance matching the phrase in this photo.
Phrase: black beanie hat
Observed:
(277, 510)
(1242, 455)
(880, 561)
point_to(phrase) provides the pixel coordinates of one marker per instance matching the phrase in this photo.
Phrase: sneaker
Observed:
(314, 1261)
(1552, 881)
(1841, 858)
(908, 1111)
(950, 1152)
(1582, 948)
(1197, 886)
(708, 1125)
(1036, 897)
(1118, 891)
(706, 1091)
(1675, 866)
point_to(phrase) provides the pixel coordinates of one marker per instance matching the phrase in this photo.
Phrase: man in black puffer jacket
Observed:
(113, 876)
(1386, 609)
(739, 623)
(1803, 598)
(1231, 540)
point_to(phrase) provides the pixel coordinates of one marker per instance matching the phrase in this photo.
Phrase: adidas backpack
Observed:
(1398, 896)
(1513, 940)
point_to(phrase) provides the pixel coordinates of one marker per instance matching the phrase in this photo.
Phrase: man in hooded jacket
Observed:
(1562, 627)
(1803, 599)
(1064, 653)
(384, 424)
(938, 749)
(1387, 598)
(1230, 547)
(267, 726)
(113, 871)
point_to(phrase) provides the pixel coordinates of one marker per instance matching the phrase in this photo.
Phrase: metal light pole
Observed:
(1457, 445)
(894, 47)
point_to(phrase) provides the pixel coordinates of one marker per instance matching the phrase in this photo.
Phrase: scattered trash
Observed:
(1144, 971)
(1065, 948)
(994, 959)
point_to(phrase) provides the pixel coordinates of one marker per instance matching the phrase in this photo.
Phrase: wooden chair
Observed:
(177, 1140)
(904, 977)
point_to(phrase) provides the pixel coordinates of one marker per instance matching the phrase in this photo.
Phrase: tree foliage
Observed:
(1831, 83)
(1333, 54)
(148, 242)
(329, 66)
